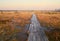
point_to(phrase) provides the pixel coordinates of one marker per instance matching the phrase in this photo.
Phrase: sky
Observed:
(29, 4)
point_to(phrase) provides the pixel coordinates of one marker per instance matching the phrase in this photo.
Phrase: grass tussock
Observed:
(53, 35)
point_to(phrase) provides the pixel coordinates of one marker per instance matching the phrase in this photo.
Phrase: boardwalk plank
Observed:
(36, 33)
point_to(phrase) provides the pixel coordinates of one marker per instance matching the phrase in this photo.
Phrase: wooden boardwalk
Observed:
(36, 32)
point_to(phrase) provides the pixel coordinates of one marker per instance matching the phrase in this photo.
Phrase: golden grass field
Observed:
(47, 19)
(7, 29)
(22, 17)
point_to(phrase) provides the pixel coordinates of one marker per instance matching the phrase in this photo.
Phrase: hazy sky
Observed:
(29, 4)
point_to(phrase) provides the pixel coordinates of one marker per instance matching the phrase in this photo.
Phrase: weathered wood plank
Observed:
(36, 32)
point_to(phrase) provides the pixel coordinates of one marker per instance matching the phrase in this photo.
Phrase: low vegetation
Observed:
(49, 20)
(7, 28)
(53, 35)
